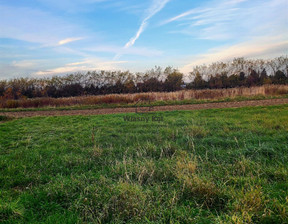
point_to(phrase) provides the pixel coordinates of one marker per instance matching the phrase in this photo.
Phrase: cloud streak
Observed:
(216, 9)
(69, 40)
(192, 32)
(231, 20)
(184, 14)
(156, 7)
(86, 65)
(261, 47)
(140, 51)
(34, 25)
(237, 22)
(43, 67)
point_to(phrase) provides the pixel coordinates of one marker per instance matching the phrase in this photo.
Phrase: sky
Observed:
(49, 37)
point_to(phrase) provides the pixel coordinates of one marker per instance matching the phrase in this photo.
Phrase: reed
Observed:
(205, 94)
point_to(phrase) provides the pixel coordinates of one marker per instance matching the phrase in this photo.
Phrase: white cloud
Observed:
(184, 14)
(232, 20)
(40, 27)
(86, 65)
(131, 42)
(156, 6)
(40, 67)
(255, 30)
(24, 63)
(140, 51)
(33, 25)
(20, 68)
(69, 40)
(262, 47)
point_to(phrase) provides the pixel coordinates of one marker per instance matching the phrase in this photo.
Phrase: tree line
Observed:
(236, 73)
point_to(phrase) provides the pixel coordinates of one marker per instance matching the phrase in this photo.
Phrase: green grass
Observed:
(207, 166)
(4, 118)
(144, 104)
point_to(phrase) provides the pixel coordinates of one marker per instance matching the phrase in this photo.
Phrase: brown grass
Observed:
(206, 94)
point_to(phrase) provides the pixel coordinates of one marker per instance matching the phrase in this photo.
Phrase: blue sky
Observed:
(47, 37)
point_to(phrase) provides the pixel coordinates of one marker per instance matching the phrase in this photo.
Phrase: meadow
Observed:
(155, 98)
(206, 166)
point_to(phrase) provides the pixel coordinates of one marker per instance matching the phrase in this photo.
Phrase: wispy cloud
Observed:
(24, 63)
(260, 47)
(34, 25)
(156, 6)
(86, 65)
(42, 27)
(184, 14)
(193, 31)
(69, 40)
(21, 68)
(43, 67)
(212, 9)
(250, 29)
(231, 20)
(139, 51)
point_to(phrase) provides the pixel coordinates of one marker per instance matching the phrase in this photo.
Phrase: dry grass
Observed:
(206, 94)
(195, 184)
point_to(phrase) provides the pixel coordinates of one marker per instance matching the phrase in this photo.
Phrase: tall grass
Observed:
(213, 94)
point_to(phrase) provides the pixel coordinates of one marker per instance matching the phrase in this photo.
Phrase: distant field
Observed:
(151, 98)
(208, 166)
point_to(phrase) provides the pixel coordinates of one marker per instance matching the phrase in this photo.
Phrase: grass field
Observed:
(207, 166)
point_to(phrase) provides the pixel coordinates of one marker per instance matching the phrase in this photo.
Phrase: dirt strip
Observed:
(146, 109)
